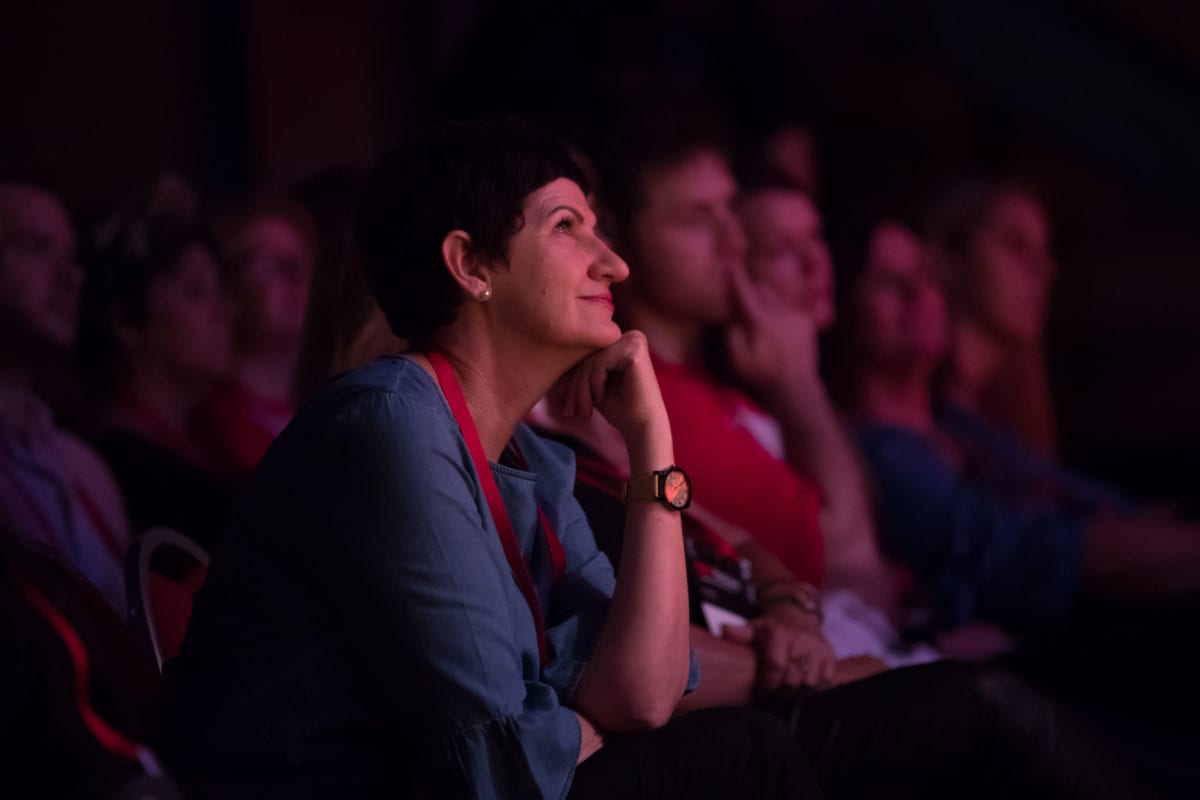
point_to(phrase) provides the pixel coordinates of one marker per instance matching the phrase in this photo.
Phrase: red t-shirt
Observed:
(733, 476)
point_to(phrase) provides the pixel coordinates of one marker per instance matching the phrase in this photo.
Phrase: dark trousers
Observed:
(950, 730)
(718, 753)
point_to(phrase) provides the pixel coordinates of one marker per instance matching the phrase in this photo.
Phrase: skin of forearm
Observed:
(639, 666)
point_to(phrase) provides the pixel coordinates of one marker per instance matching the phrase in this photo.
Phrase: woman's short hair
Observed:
(127, 255)
(469, 176)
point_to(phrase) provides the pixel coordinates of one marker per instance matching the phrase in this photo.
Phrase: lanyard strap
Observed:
(508, 538)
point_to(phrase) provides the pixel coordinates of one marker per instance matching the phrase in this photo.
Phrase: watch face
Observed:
(677, 489)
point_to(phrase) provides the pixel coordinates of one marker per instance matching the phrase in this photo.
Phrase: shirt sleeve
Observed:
(416, 577)
(980, 557)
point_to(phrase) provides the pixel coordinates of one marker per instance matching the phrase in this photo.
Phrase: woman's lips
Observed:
(602, 299)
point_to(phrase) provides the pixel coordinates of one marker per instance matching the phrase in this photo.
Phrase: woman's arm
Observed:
(639, 667)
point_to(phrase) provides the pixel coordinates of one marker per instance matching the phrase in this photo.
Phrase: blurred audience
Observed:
(994, 530)
(671, 195)
(53, 486)
(991, 242)
(269, 249)
(158, 337)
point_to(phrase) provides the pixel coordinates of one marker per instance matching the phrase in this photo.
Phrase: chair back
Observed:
(163, 571)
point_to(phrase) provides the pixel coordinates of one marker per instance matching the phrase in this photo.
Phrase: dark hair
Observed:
(471, 176)
(959, 210)
(648, 139)
(127, 255)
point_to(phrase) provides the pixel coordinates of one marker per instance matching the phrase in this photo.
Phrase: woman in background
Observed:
(157, 336)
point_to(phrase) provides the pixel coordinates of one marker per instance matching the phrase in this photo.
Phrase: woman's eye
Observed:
(565, 224)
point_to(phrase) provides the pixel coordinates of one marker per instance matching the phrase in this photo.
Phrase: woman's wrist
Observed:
(651, 448)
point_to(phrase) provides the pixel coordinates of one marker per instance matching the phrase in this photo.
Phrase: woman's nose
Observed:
(607, 264)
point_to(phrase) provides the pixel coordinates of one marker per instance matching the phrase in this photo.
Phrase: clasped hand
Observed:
(790, 655)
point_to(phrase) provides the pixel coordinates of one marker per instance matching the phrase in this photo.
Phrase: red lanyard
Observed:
(508, 538)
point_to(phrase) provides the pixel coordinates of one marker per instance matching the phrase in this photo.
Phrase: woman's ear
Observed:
(465, 267)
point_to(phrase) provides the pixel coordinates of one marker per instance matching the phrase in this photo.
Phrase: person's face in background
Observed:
(40, 279)
(187, 332)
(1010, 269)
(271, 275)
(788, 256)
(556, 288)
(901, 312)
(687, 242)
(792, 150)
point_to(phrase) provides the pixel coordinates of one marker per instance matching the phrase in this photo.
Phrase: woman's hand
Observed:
(619, 382)
(789, 655)
(772, 346)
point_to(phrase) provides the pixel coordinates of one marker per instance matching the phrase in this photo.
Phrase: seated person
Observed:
(670, 195)
(791, 271)
(993, 531)
(53, 487)
(409, 601)
(992, 244)
(684, 232)
(996, 531)
(269, 251)
(157, 337)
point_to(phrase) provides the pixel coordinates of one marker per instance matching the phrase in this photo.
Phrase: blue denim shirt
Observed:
(360, 631)
(999, 537)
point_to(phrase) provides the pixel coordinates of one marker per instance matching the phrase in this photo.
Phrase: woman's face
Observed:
(902, 310)
(556, 287)
(1011, 269)
(188, 326)
(788, 255)
(274, 266)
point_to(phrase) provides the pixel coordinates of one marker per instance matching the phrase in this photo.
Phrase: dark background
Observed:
(1096, 103)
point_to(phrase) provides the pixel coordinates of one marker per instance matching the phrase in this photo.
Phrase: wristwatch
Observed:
(671, 486)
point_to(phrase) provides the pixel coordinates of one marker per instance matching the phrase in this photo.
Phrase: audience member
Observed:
(53, 487)
(159, 336)
(268, 255)
(996, 532)
(378, 634)
(790, 265)
(992, 245)
(672, 201)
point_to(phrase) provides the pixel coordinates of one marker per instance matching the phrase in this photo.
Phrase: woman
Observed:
(409, 600)
(992, 242)
(157, 336)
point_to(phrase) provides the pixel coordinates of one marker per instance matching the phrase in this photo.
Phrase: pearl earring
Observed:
(485, 295)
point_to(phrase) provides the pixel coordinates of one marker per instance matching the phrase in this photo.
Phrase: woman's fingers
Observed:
(774, 654)
(797, 672)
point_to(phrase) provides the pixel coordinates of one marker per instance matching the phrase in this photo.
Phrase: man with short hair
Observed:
(53, 487)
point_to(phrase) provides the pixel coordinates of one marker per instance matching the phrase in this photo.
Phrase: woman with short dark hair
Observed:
(409, 600)
(156, 334)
